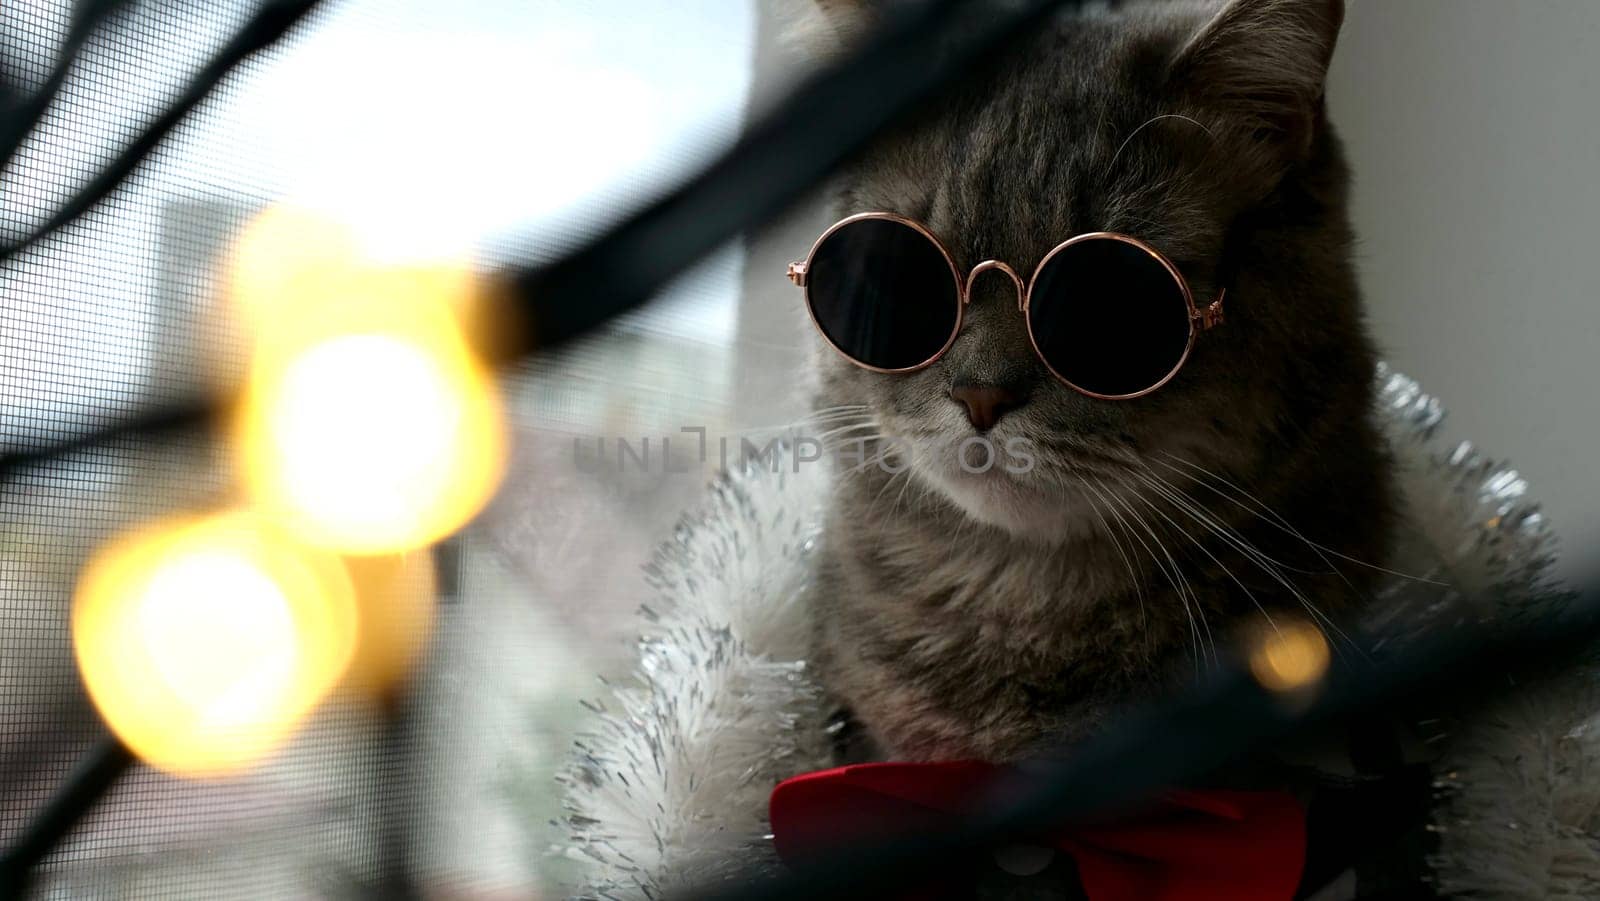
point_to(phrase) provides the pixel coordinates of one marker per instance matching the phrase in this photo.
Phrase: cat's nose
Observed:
(986, 403)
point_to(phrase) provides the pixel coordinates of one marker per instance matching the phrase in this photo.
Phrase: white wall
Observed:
(1474, 130)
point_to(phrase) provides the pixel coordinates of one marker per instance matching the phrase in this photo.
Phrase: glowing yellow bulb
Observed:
(205, 642)
(367, 420)
(1290, 658)
(373, 444)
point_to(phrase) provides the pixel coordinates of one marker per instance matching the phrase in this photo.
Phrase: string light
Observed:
(367, 428)
(1290, 658)
(368, 419)
(204, 642)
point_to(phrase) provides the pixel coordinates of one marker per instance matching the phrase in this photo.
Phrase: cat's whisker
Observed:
(1173, 562)
(1194, 511)
(825, 438)
(850, 444)
(1129, 140)
(827, 415)
(877, 459)
(1276, 519)
(834, 410)
(1203, 549)
(1173, 578)
(831, 442)
(1226, 531)
(905, 473)
(1127, 562)
(806, 430)
(1126, 532)
(1229, 535)
(895, 510)
(845, 476)
(831, 412)
(1266, 563)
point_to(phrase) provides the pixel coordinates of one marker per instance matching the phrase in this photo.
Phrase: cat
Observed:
(940, 614)
(991, 615)
(1002, 615)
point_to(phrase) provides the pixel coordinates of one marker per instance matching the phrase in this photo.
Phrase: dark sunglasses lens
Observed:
(1109, 317)
(883, 293)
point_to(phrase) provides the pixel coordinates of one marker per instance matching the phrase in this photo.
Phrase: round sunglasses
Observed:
(1108, 315)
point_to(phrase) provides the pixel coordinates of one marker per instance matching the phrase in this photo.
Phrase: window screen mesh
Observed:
(504, 130)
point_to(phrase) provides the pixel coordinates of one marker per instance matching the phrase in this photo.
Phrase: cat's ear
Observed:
(822, 28)
(1261, 66)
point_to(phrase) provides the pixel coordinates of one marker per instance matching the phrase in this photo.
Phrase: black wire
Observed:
(141, 425)
(397, 761)
(269, 24)
(94, 775)
(22, 114)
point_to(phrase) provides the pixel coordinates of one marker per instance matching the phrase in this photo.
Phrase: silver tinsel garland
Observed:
(669, 789)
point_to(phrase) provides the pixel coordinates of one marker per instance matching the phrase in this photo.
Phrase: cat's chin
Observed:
(1019, 505)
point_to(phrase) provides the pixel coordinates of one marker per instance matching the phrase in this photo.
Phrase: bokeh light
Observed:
(375, 444)
(395, 605)
(204, 642)
(368, 418)
(281, 259)
(1291, 657)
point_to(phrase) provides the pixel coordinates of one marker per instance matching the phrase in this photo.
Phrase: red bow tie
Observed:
(1189, 846)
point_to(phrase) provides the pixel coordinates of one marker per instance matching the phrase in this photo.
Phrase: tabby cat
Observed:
(992, 615)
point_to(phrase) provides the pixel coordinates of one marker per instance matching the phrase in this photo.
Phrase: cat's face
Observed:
(1194, 126)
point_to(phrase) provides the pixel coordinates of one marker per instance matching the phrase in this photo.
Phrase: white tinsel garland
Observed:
(670, 788)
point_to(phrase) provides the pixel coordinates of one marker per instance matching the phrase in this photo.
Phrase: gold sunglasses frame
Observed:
(1200, 319)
